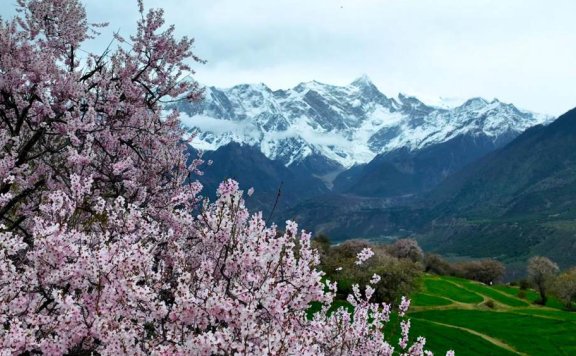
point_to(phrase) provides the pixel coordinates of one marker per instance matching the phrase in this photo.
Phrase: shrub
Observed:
(398, 277)
(486, 271)
(434, 263)
(564, 287)
(406, 248)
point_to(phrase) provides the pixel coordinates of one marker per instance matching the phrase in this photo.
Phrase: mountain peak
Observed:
(402, 96)
(362, 81)
(310, 85)
(261, 87)
(474, 103)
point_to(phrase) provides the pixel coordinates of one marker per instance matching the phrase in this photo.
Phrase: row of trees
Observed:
(104, 246)
(487, 271)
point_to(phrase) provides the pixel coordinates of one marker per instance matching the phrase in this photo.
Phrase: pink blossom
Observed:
(418, 347)
(404, 305)
(106, 245)
(364, 255)
(405, 331)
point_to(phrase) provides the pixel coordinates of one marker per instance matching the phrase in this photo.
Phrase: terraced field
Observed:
(454, 314)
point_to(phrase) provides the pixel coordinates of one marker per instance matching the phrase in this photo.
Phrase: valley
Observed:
(482, 179)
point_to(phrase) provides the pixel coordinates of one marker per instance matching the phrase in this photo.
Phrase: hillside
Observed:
(519, 200)
(453, 313)
(409, 172)
(475, 319)
(252, 169)
(534, 174)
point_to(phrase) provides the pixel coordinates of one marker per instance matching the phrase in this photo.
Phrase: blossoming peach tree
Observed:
(106, 248)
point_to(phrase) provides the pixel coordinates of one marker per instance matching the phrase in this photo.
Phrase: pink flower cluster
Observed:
(224, 283)
(106, 245)
(364, 255)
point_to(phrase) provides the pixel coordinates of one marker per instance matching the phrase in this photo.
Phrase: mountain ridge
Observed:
(342, 125)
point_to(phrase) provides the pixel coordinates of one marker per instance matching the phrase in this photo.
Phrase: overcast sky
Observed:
(519, 51)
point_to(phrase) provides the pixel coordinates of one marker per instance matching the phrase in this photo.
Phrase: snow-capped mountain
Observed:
(347, 125)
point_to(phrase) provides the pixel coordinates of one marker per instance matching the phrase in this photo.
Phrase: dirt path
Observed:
(490, 339)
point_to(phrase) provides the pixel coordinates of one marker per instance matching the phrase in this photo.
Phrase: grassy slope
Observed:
(466, 324)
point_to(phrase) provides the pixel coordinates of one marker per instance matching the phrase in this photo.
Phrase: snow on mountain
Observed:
(345, 124)
(441, 102)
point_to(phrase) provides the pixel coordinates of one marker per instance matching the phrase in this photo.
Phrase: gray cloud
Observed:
(521, 51)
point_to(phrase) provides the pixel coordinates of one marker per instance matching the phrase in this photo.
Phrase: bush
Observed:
(564, 287)
(490, 304)
(398, 276)
(522, 294)
(406, 248)
(434, 263)
(486, 271)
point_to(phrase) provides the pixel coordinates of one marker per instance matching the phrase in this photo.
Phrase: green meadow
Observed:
(475, 319)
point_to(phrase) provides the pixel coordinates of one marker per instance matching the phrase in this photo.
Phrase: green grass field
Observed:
(452, 314)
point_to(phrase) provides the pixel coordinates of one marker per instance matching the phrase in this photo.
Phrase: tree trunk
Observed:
(543, 298)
